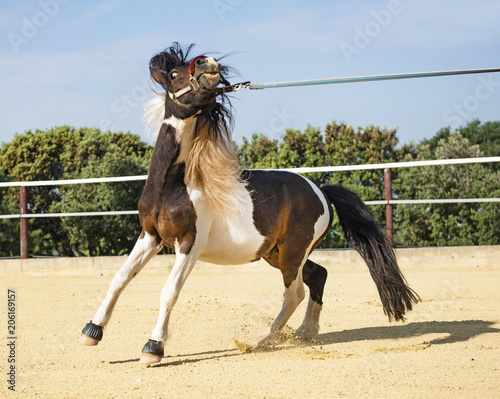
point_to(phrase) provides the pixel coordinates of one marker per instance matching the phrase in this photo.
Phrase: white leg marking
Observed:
(170, 292)
(144, 249)
(183, 266)
(294, 295)
(310, 326)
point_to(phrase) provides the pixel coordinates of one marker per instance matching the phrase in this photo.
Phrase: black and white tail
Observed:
(364, 234)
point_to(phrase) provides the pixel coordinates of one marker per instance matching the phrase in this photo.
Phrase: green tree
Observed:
(447, 224)
(103, 235)
(339, 144)
(9, 228)
(63, 153)
(296, 149)
(35, 156)
(258, 153)
(486, 135)
(345, 145)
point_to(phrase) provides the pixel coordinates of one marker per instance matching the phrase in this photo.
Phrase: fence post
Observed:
(388, 206)
(23, 205)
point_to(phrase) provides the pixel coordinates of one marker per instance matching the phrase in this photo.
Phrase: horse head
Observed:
(190, 84)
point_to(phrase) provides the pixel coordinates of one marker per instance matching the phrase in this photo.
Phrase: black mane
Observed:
(171, 57)
(218, 115)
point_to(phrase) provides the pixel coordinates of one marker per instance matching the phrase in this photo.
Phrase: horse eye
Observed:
(173, 75)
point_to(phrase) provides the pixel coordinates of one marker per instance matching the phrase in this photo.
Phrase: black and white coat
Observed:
(199, 203)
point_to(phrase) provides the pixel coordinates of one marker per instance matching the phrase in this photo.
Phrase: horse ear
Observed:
(157, 76)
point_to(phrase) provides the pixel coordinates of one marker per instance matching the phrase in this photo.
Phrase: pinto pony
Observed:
(197, 201)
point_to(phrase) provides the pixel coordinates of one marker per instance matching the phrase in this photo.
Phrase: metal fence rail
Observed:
(320, 169)
(389, 202)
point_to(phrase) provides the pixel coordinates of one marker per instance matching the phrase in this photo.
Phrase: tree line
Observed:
(68, 153)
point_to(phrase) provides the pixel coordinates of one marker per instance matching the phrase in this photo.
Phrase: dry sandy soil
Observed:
(449, 347)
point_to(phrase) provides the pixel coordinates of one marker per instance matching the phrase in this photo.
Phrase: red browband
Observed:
(192, 65)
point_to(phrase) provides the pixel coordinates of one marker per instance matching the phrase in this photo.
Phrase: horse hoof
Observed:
(91, 334)
(243, 347)
(152, 352)
(148, 358)
(87, 341)
(307, 332)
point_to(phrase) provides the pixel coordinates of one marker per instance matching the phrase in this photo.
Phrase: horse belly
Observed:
(233, 242)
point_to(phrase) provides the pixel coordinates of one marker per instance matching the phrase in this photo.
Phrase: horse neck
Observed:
(165, 155)
(208, 164)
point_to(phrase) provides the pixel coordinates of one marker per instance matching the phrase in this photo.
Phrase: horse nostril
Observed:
(196, 62)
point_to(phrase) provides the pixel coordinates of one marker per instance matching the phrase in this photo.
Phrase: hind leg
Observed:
(314, 276)
(294, 292)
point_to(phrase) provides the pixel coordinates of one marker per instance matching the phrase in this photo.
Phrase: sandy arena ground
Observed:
(448, 348)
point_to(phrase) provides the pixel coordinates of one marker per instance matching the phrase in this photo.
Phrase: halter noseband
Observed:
(195, 86)
(192, 86)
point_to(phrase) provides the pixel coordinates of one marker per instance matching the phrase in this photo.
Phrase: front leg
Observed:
(153, 350)
(145, 248)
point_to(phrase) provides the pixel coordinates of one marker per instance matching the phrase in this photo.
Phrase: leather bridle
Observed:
(195, 86)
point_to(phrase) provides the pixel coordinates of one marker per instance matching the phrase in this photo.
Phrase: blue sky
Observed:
(85, 63)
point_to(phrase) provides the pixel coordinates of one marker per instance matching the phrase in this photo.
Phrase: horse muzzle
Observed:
(205, 70)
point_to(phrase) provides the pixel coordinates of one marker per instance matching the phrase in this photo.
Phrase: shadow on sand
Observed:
(457, 331)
